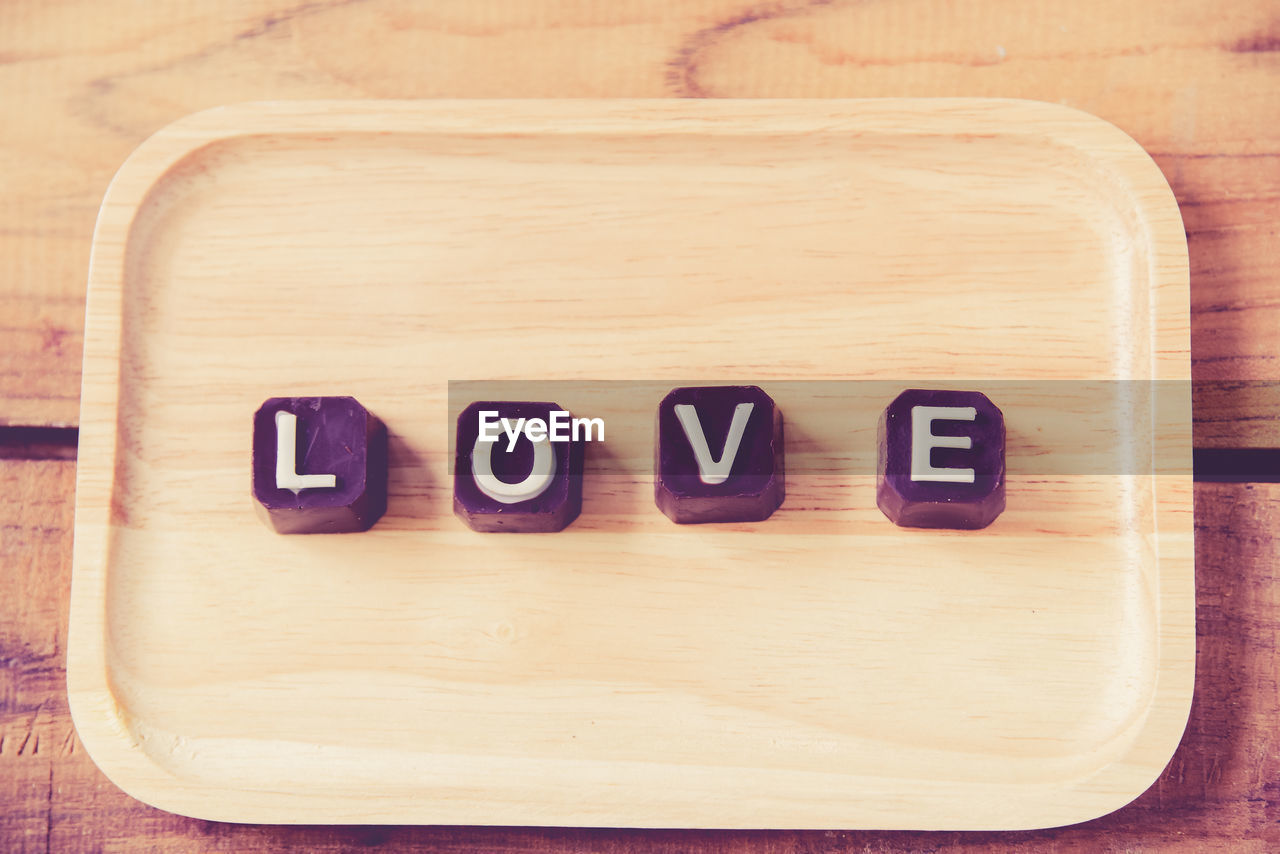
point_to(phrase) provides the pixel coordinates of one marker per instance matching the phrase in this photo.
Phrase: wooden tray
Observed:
(819, 669)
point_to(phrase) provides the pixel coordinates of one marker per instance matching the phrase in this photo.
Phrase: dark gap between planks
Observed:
(1211, 465)
(1236, 465)
(38, 443)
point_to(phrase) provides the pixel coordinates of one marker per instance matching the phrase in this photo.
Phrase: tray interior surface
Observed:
(822, 668)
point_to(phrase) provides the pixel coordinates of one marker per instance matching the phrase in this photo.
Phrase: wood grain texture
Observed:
(335, 247)
(41, 341)
(1219, 794)
(1193, 81)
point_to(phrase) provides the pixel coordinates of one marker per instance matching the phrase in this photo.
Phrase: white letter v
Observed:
(713, 471)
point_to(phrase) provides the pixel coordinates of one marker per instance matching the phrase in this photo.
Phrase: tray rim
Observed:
(101, 722)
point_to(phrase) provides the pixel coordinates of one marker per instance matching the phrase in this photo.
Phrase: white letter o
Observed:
(544, 469)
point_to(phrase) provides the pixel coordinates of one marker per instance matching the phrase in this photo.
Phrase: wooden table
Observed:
(1197, 83)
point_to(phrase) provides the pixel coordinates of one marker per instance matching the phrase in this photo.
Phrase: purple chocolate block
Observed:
(332, 477)
(530, 488)
(941, 460)
(719, 455)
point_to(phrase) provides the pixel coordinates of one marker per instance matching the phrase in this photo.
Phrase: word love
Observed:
(320, 463)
